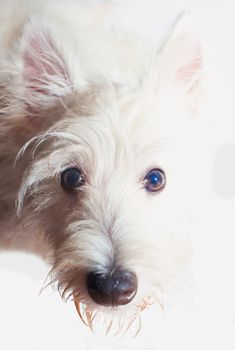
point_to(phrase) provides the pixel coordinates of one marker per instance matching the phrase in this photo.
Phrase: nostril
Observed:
(112, 289)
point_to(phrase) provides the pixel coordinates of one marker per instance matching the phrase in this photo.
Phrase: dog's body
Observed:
(119, 113)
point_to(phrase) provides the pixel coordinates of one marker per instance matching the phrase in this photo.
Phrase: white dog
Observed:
(97, 158)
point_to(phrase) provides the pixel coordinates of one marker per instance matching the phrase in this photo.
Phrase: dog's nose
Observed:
(116, 288)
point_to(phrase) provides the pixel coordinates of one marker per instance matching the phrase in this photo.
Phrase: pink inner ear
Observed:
(188, 73)
(44, 67)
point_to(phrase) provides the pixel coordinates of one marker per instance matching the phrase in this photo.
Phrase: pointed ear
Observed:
(46, 74)
(181, 58)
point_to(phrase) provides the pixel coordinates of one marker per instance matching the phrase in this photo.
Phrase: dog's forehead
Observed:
(124, 113)
(121, 128)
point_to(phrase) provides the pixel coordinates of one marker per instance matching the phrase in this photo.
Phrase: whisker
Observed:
(139, 327)
(130, 324)
(44, 286)
(120, 325)
(108, 328)
(160, 304)
(78, 305)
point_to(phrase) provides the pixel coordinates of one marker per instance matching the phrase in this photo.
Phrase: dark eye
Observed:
(72, 178)
(155, 180)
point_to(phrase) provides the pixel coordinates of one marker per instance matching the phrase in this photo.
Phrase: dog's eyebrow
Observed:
(39, 139)
(153, 147)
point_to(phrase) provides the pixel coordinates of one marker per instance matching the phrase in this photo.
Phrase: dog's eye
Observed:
(71, 178)
(155, 180)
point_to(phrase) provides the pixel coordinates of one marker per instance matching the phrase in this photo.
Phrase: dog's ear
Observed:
(181, 58)
(46, 75)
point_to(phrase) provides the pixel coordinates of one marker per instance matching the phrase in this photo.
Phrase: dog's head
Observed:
(106, 171)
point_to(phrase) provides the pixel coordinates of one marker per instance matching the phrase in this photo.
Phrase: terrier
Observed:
(95, 134)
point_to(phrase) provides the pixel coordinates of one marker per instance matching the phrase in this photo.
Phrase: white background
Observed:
(202, 317)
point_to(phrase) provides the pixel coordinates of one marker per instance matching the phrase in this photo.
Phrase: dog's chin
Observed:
(102, 320)
(105, 320)
(112, 320)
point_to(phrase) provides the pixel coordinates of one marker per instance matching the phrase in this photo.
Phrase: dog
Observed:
(92, 124)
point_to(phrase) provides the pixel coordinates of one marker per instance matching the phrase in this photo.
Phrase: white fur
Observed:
(114, 106)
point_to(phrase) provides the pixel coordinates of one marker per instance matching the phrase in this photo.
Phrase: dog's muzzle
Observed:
(112, 289)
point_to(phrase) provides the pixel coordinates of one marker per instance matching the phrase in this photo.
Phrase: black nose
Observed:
(116, 288)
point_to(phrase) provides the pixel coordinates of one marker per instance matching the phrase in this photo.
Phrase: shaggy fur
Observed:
(115, 107)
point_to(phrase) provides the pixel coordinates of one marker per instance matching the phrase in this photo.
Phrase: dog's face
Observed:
(105, 172)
